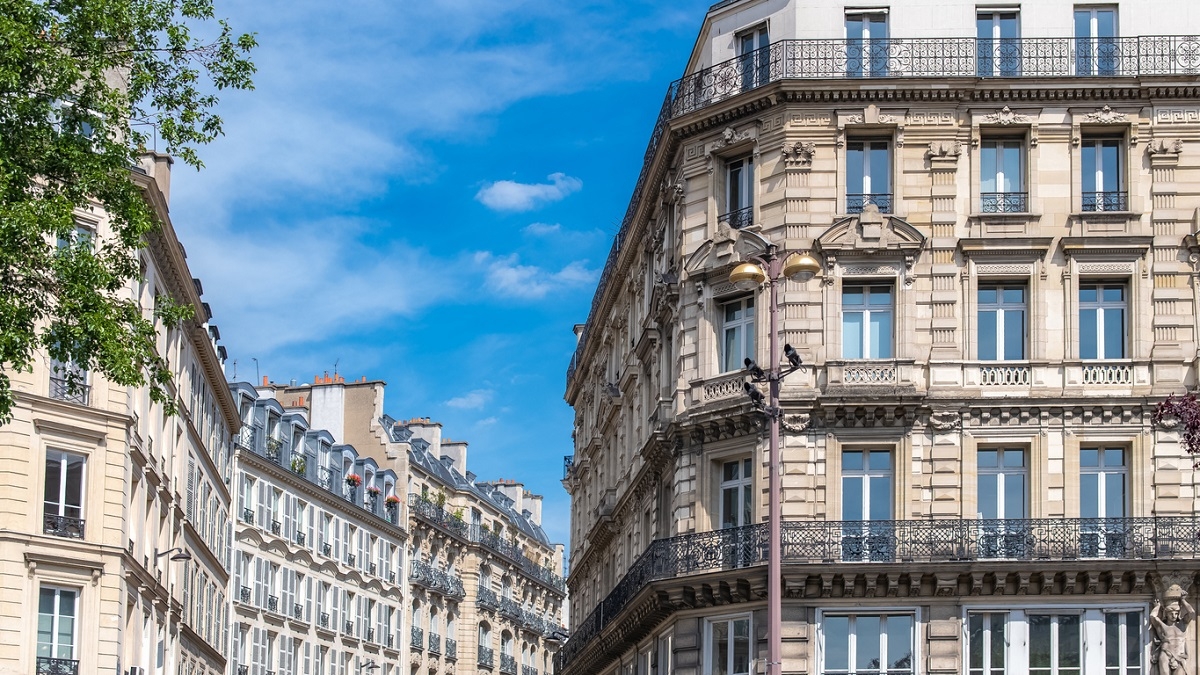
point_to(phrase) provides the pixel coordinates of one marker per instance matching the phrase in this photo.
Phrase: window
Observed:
(1001, 322)
(1001, 173)
(866, 45)
(868, 175)
(1097, 51)
(739, 193)
(728, 641)
(69, 382)
(868, 643)
(867, 322)
(755, 57)
(737, 333)
(1003, 480)
(866, 497)
(998, 47)
(1055, 644)
(63, 501)
(1123, 643)
(662, 656)
(737, 487)
(986, 642)
(1103, 495)
(1101, 175)
(57, 609)
(1102, 310)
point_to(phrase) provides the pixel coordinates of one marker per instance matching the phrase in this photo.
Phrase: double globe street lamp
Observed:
(772, 268)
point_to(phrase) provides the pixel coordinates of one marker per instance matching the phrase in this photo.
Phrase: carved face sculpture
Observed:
(1172, 612)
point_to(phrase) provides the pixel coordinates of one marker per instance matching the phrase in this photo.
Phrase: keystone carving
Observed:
(795, 423)
(1106, 115)
(944, 149)
(945, 420)
(799, 153)
(1006, 116)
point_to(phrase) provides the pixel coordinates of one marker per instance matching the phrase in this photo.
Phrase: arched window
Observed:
(433, 620)
(485, 634)
(506, 643)
(416, 614)
(485, 577)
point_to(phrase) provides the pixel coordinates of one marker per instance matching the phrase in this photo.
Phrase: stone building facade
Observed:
(115, 525)
(318, 572)
(1004, 201)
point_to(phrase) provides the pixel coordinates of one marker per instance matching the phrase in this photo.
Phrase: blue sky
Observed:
(424, 192)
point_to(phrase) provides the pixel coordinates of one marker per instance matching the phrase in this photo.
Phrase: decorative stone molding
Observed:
(944, 149)
(1165, 148)
(1005, 117)
(946, 420)
(1106, 115)
(795, 423)
(1004, 268)
(798, 154)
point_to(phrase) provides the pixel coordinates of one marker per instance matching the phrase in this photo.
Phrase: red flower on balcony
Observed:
(353, 480)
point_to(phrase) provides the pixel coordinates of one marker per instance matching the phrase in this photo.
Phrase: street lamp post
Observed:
(772, 268)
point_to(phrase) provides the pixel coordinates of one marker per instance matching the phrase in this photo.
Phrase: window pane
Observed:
(855, 168)
(733, 352)
(988, 496)
(53, 482)
(1089, 293)
(852, 335)
(866, 653)
(74, 486)
(1110, 162)
(852, 460)
(1114, 495)
(880, 168)
(1088, 343)
(1014, 335)
(1112, 640)
(988, 296)
(880, 460)
(1069, 652)
(1114, 457)
(1089, 457)
(1133, 641)
(987, 335)
(852, 498)
(880, 499)
(899, 632)
(1011, 166)
(837, 643)
(881, 335)
(741, 646)
(731, 470)
(1089, 496)
(1106, 23)
(1014, 495)
(975, 642)
(998, 643)
(853, 296)
(1014, 458)
(881, 295)
(719, 654)
(988, 459)
(729, 507)
(988, 166)
(1114, 333)
(1039, 641)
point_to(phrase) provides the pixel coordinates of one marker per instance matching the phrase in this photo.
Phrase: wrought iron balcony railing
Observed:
(244, 594)
(370, 635)
(738, 219)
(511, 550)
(63, 390)
(568, 464)
(855, 203)
(508, 664)
(904, 542)
(1004, 202)
(272, 603)
(486, 658)
(327, 550)
(323, 620)
(435, 579)
(348, 628)
(435, 643)
(300, 538)
(451, 648)
(488, 598)
(437, 516)
(1145, 56)
(248, 516)
(49, 666)
(243, 669)
(350, 559)
(418, 638)
(62, 526)
(276, 527)
(510, 608)
(1106, 201)
(298, 611)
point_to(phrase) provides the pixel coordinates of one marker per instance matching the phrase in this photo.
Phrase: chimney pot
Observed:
(264, 380)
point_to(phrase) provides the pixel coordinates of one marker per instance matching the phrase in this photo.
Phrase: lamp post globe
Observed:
(747, 276)
(801, 267)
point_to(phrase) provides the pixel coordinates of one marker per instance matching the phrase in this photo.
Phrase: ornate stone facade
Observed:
(945, 482)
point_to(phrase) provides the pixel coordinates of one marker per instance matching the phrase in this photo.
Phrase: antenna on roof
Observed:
(235, 370)
(335, 362)
(257, 377)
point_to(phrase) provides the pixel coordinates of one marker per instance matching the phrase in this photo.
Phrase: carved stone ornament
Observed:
(946, 420)
(944, 149)
(1165, 146)
(799, 153)
(1106, 115)
(854, 119)
(1006, 116)
(1170, 617)
(795, 423)
(729, 137)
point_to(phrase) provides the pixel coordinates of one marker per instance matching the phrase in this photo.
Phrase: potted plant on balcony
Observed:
(353, 480)
(391, 503)
(299, 464)
(372, 495)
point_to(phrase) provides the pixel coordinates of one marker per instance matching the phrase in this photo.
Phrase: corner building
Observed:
(1003, 199)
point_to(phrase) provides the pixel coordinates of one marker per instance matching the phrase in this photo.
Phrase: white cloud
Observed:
(472, 400)
(541, 229)
(507, 195)
(507, 277)
(487, 422)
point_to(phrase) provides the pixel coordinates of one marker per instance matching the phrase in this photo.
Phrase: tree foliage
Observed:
(1182, 412)
(83, 85)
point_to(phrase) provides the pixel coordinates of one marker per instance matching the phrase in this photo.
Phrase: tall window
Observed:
(867, 500)
(728, 641)
(868, 643)
(866, 45)
(63, 494)
(739, 193)
(867, 322)
(1002, 322)
(69, 382)
(868, 175)
(1097, 51)
(755, 57)
(1003, 479)
(737, 483)
(737, 333)
(1002, 177)
(986, 643)
(1103, 494)
(1055, 644)
(1102, 309)
(998, 46)
(57, 609)
(1123, 643)
(1102, 175)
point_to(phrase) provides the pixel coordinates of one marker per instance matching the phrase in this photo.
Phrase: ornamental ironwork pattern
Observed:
(437, 516)
(511, 550)
(739, 219)
(272, 603)
(486, 657)
(1004, 202)
(245, 594)
(298, 611)
(488, 598)
(894, 541)
(855, 203)
(74, 392)
(49, 666)
(323, 620)
(418, 638)
(435, 643)
(1105, 201)
(436, 580)
(508, 664)
(62, 526)
(451, 648)
(248, 516)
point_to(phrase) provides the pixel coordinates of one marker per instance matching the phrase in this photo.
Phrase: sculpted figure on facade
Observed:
(1170, 623)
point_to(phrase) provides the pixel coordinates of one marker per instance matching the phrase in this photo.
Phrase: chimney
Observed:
(578, 328)
(430, 432)
(534, 504)
(158, 166)
(514, 491)
(265, 381)
(327, 407)
(456, 452)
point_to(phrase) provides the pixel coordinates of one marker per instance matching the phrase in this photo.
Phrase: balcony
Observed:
(49, 666)
(62, 526)
(418, 638)
(901, 542)
(738, 219)
(298, 612)
(855, 203)
(508, 664)
(272, 603)
(435, 579)
(350, 559)
(1105, 201)
(248, 516)
(1107, 373)
(488, 599)
(370, 635)
(437, 516)
(300, 538)
(435, 643)
(568, 464)
(451, 648)
(486, 657)
(62, 390)
(1004, 202)
(1005, 376)
(348, 628)
(243, 669)
(327, 550)
(511, 608)
(276, 527)
(528, 670)
(244, 594)
(323, 620)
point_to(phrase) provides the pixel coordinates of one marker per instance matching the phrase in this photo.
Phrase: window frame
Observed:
(1095, 142)
(1004, 201)
(864, 175)
(1003, 474)
(755, 69)
(882, 613)
(1055, 641)
(708, 643)
(54, 646)
(995, 50)
(1100, 305)
(742, 484)
(866, 349)
(747, 327)
(1002, 308)
(864, 49)
(63, 461)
